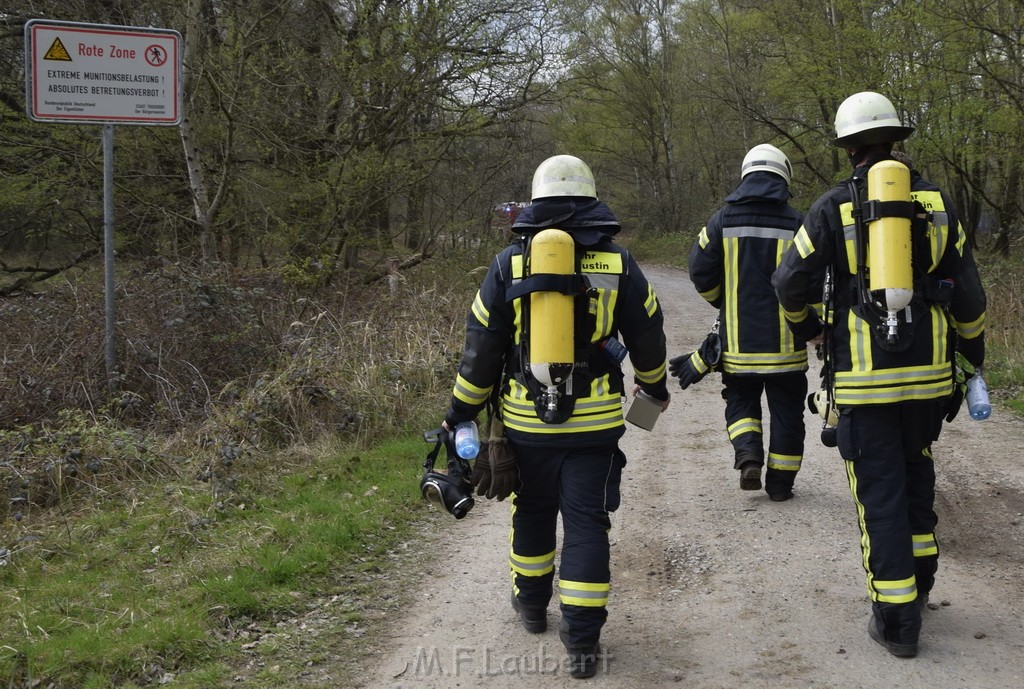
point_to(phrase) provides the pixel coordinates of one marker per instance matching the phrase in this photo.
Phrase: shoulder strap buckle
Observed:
(572, 285)
(874, 209)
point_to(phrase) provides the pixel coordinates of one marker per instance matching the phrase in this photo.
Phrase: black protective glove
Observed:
(685, 370)
(963, 371)
(693, 367)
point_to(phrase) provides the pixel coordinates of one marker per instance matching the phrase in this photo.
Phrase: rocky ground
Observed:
(715, 587)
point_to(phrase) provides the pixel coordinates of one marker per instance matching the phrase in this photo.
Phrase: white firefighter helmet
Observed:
(768, 158)
(868, 118)
(563, 175)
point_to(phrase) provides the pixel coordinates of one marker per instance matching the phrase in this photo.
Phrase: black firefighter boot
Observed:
(534, 619)
(749, 465)
(896, 627)
(779, 484)
(583, 657)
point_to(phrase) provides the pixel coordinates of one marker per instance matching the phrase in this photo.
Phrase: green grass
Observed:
(127, 594)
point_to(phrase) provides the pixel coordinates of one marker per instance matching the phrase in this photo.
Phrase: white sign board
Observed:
(95, 73)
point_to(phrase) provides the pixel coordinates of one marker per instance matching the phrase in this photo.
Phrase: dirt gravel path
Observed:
(717, 587)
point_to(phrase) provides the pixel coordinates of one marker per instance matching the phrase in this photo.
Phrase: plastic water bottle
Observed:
(467, 440)
(977, 398)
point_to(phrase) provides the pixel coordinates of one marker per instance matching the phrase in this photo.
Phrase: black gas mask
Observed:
(452, 491)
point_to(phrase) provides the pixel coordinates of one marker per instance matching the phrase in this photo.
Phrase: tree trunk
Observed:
(197, 183)
(1008, 215)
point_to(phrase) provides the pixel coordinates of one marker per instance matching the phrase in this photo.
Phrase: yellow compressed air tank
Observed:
(891, 278)
(551, 313)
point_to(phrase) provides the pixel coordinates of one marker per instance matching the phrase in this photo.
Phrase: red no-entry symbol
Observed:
(156, 55)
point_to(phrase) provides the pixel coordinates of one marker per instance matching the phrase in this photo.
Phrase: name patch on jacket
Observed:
(601, 262)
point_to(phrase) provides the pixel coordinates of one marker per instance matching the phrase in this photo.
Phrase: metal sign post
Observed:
(109, 312)
(100, 74)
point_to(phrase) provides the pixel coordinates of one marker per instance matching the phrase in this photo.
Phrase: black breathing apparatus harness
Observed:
(857, 294)
(588, 364)
(926, 290)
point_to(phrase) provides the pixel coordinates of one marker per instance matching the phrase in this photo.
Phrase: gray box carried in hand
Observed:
(644, 411)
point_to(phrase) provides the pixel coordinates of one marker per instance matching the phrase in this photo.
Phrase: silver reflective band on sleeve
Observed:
(804, 245)
(702, 238)
(971, 330)
(483, 316)
(468, 393)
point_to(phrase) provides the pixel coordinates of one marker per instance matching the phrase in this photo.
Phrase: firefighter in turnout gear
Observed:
(731, 265)
(898, 316)
(562, 422)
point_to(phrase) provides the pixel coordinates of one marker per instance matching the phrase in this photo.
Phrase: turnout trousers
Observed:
(889, 465)
(785, 393)
(583, 485)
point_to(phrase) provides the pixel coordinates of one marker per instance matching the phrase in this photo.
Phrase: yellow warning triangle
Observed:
(57, 51)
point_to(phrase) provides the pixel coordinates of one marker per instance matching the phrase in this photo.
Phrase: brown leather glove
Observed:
(481, 477)
(503, 471)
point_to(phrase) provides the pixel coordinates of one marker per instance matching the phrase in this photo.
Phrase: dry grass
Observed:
(1004, 328)
(216, 370)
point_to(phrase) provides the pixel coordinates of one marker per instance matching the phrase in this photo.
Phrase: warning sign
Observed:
(95, 73)
(57, 51)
